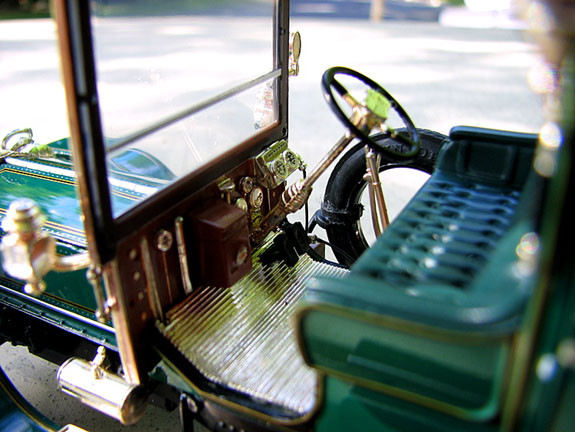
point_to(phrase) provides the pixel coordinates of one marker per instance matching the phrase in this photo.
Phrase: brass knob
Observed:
(28, 252)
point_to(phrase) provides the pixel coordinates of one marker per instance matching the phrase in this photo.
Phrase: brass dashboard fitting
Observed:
(30, 253)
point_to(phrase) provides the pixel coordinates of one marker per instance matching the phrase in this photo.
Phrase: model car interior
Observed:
(153, 257)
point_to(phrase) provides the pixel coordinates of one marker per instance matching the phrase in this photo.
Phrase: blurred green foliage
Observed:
(454, 2)
(17, 9)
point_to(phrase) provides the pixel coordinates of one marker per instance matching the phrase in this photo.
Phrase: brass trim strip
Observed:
(126, 348)
(62, 311)
(151, 284)
(193, 109)
(399, 324)
(425, 401)
(183, 255)
(417, 329)
(38, 175)
(134, 187)
(8, 387)
(281, 423)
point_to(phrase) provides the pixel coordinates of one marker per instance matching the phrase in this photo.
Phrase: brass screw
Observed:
(164, 240)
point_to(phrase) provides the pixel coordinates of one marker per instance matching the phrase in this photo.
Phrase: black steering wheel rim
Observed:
(329, 83)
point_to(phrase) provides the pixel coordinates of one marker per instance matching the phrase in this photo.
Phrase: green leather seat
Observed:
(428, 314)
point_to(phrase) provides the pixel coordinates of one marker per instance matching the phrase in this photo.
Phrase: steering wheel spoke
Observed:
(351, 101)
(383, 128)
(370, 115)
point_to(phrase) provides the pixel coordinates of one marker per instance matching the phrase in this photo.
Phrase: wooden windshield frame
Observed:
(103, 231)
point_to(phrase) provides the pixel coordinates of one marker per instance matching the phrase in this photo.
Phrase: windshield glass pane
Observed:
(182, 82)
(154, 160)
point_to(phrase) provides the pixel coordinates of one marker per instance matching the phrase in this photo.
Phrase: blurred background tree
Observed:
(377, 8)
(11, 9)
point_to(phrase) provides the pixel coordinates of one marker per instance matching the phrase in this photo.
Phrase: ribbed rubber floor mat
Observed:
(242, 337)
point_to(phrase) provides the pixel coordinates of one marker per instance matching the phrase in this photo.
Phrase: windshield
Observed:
(182, 82)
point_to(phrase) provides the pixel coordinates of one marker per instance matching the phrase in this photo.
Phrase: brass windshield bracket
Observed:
(294, 53)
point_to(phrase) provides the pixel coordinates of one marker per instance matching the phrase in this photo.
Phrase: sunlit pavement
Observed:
(464, 17)
(442, 75)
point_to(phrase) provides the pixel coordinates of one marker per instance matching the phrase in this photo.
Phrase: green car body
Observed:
(460, 317)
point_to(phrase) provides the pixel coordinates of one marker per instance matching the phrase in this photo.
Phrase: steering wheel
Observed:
(370, 114)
